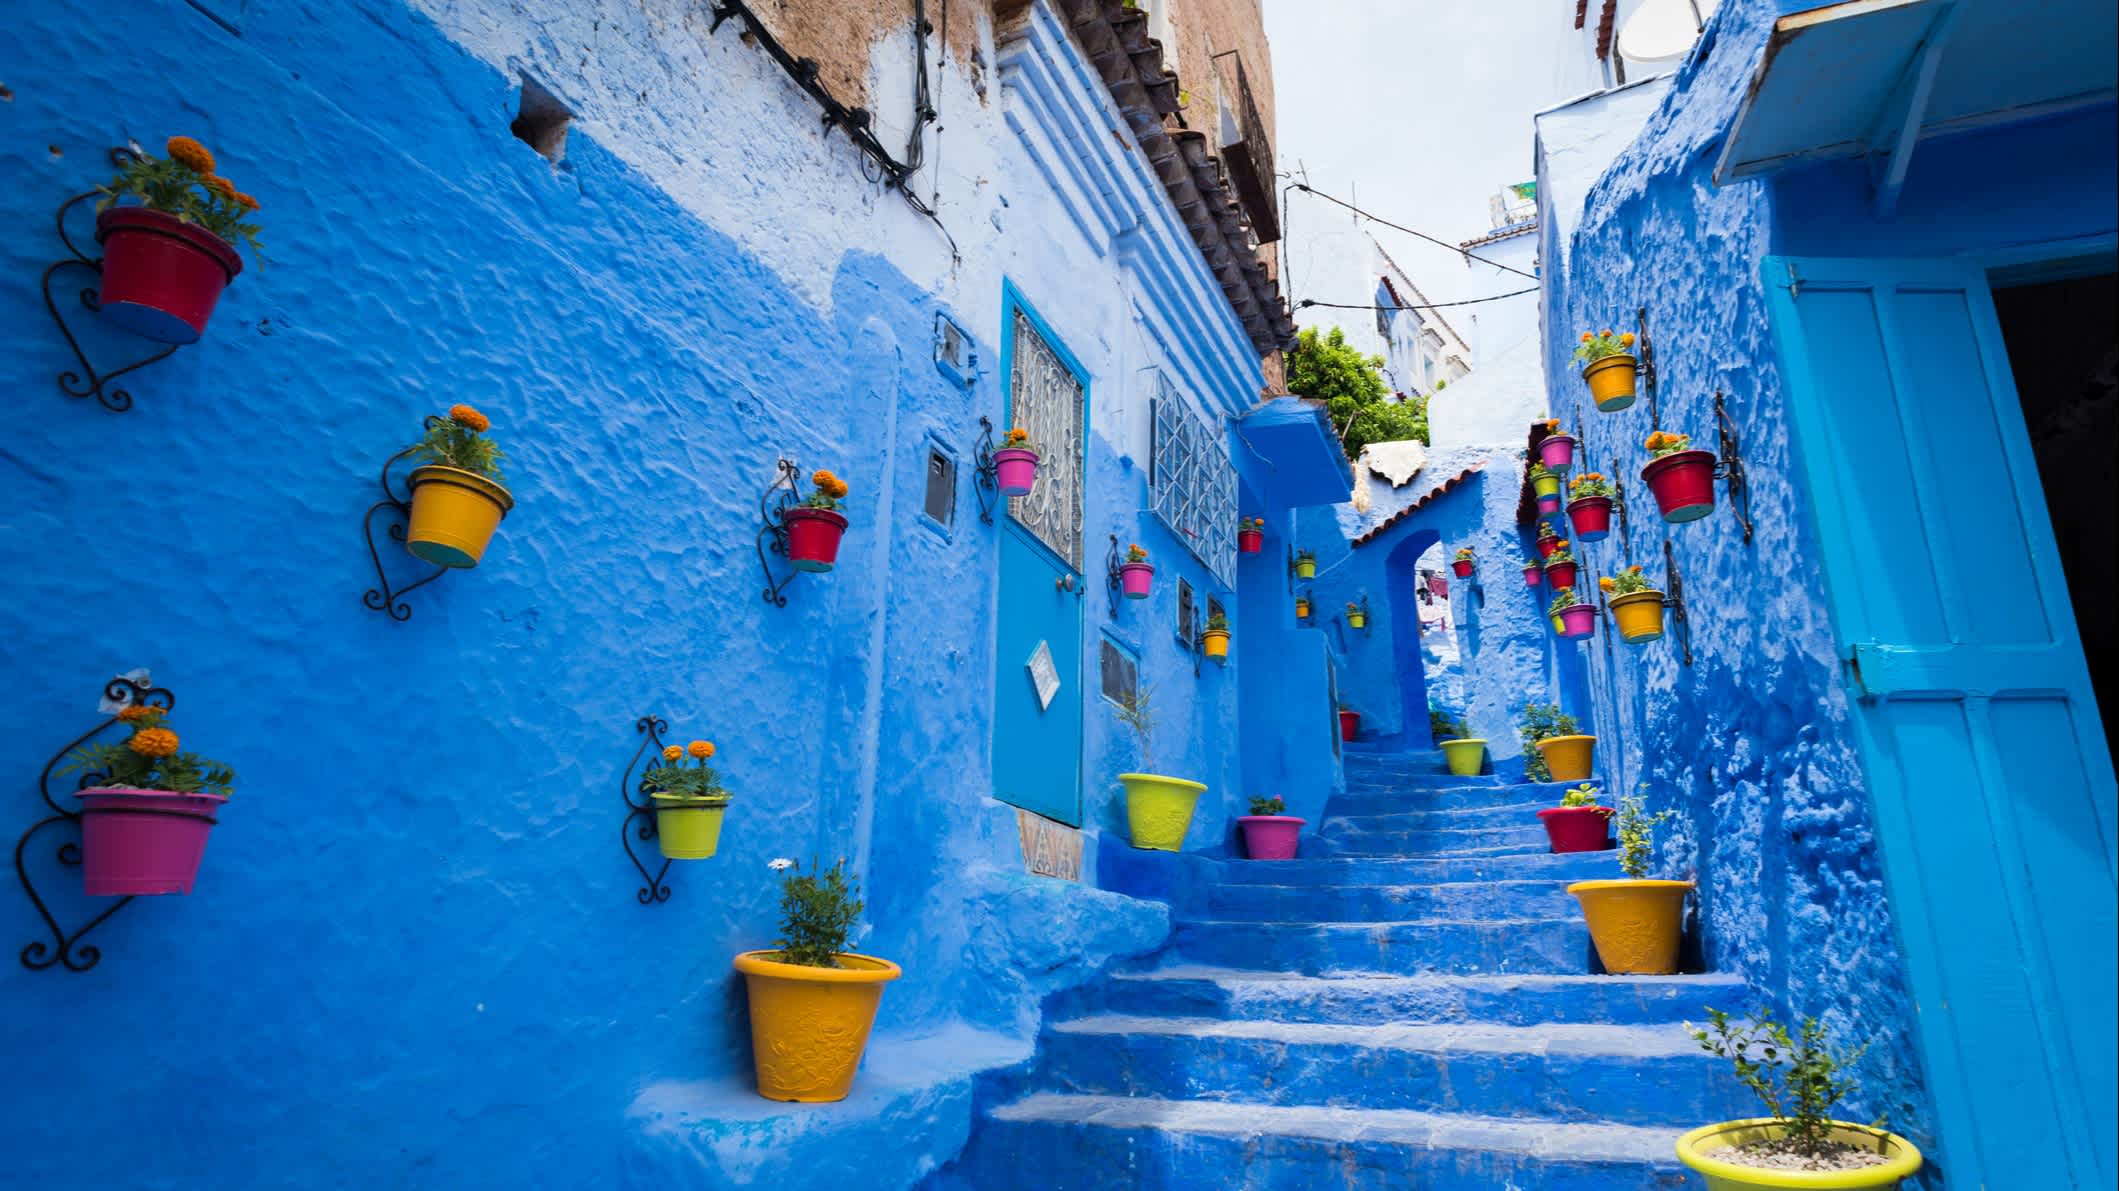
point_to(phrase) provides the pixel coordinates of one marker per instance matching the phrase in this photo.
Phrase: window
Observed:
(941, 487)
(541, 121)
(1046, 398)
(1191, 484)
(1187, 630)
(1120, 672)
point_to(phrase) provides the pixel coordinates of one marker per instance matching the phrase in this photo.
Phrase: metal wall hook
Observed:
(382, 597)
(87, 381)
(1729, 465)
(640, 816)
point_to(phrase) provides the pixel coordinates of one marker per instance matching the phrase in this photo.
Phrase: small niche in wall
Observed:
(541, 121)
(1187, 615)
(940, 502)
(1119, 671)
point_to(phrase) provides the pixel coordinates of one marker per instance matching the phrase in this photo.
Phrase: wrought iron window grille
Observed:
(383, 597)
(1191, 483)
(88, 381)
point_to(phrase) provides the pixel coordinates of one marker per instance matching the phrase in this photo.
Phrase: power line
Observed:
(1467, 255)
(1307, 302)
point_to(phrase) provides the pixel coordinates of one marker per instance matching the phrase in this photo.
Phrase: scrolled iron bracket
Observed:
(1646, 356)
(1729, 465)
(773, 503)
(1618, 505)
(1114, 578)
(66, 948)
(88, 381)
(1674, 602)
(383, 597)
(640, 816)
(985, 475)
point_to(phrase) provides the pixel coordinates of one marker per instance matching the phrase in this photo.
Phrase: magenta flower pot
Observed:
(1579, 620)
(1135, 578)
(143, 841)
(1557, 451)
(1015, 470)
(1270, 837)
(1549, 504)
(1533, 575)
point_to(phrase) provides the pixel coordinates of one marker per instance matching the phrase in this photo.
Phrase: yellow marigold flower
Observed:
(469, 418)
(1626, 340)
(153, 742)
(701, 749)
(219, 185)
(1607, 583)
(672, 753)
(190, 153)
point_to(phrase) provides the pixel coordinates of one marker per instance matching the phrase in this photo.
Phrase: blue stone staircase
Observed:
(1406, 1006)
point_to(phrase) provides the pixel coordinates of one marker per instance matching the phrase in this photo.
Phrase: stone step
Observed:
(1240, 994)
(1500, 814)
(1347, 840)
(1634, 1075)
(1363, 799)
(1554, 946)
(1056, 1142)
(1386, 903)
(1388, 870)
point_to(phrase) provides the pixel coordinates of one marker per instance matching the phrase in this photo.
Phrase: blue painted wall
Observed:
(414, 951)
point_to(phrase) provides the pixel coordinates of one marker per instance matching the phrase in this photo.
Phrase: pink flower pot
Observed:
(1549, 504)
(1683, 485)
(1270, 837)
(1015, 470)
(1577, 828)
(1135, 578)
(143, 841)
(1533, 575)
(1250, 541)
(1557, 451)
(1578, 621)
(813, 537)
(1592, 518)
(1560, 574)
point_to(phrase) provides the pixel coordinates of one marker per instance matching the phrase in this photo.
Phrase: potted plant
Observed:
(1578, 824)
(1250, 534)
(1608, 365)
(1575, 618)
(1681, 478)
(1015, 464)
(1560, 565)
(1158, 808)
(1568, 756)
(689, 801)
(1136, 576)
(1541, 721)
(1636, 607)
(815, 525)
(1269, 833)
(1305, 565)
(1546, 484)
(457, 497)
(1548, 539)
(1556, 450)
(1216, 639)
(1533, 571)
(1799, 1077)
(1589, 506)
(1464, 562)
(1635, 922)
(145, 821)
(1357, 617)
(166, 226)
(1302, 607)
(812, 1002)
(1349, 721)
(1464, 756)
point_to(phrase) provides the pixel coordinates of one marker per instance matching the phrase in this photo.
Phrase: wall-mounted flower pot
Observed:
(809, 1026)
(1250, 541)
(813, 537)
(1466, 757)
(1349, 724)
(1547, 545)
(1270, 837)
(1302, 608)
(1577, 828)
(1159, 809)
(1533, 574)
(1305, 567)
(1136, 579)
(1579, 620)
(454, 514)
(1639, 615)
(1702, 1150)
(143, 841)
(1560, 574)
(1559, 627)
(1216, 644)
(1683, 484)
(1591, 517)
(1611, 382)
(1634, 923)
(1463, 567)
(161, 275)
(1547, 486)
(1569, 758)
(1015, 470)
(688, 828)
(1357, 620)
(1557, 452)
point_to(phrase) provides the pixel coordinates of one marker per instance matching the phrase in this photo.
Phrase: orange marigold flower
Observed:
(190, 153)
(823, 479)
(247, 202)
(672, 753)
(839, 489)
(1626, 340)
(1605, 333)
(219, 185)
(153, 742)
(701, 749)
(469, 418)
(137, 712)
(1586, 337)
(1607, 583)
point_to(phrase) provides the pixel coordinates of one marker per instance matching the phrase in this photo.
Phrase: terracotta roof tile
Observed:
(1378, 529)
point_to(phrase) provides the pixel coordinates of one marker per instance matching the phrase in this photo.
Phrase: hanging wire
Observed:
(1515, 293)
(1306, 188)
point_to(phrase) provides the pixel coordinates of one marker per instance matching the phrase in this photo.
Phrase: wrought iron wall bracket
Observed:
(383, 597)
(773, 503)
(88, 381)
(1645, 353)
(1114, 579)
(66, 948)
(1618, 505)
(1674, 603)
(985, 475)
(1729, 466)
(640, 816)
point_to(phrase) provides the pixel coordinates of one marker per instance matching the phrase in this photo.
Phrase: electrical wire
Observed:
(1516, 293)
(1306, 188)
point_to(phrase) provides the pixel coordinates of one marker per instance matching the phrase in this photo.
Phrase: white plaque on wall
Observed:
(1043, 675)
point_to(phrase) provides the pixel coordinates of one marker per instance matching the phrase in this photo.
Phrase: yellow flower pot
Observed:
(808, 1026)
(1611, 382)
(1557, 626)
(1635, 923)
(1305, 568)
(1700, 1150)
(688, 828)
(454, 514)
(1640, 616)
(1357, 620)
(1159, 809)
(1466, 758)
(1216, 643)
(1569, 758)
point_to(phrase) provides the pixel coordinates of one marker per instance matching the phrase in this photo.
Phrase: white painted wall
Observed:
(1576, 142)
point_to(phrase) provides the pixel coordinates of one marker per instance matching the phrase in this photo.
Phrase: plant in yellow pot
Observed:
(1636, 923)
(1541, 722)
(689, 801)
(1158, 808)
(1635, 606)
(1799, 1077)
(1608, 366)
(812, 1002)
(1215, 640)
(457, 497)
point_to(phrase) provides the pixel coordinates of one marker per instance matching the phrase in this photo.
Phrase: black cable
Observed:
(1470, 256)
(1308, 302)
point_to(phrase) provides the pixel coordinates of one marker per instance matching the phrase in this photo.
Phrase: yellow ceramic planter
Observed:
(1467, 757)
(688, 828)
(1159, 809)
(1216, 643)
(1635, 923)
(1700, 1148)
(1639, 614)
(1357, 620)
(808, 1026)
(1569, 758)
(1611, 382)
(1305, 568)
(454, 514)
(1545, 485)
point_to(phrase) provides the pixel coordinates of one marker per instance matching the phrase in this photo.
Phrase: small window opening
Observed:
(941, 486)
(541, 121)
(1120, 672)
(1187, 630)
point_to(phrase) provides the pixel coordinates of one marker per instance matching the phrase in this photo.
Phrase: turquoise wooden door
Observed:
(1985, 757)
(1038, 691)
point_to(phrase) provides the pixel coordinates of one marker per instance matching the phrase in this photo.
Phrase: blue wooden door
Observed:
(1984, 754)
(1038, 692)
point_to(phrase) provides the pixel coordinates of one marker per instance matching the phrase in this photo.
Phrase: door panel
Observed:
(1991, 780)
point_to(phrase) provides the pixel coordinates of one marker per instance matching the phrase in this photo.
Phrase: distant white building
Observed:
(1494, 406)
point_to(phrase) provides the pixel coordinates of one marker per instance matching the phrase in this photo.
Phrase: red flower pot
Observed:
(161, 275)
(1577, 828)
(1270, 837)
(1135, 579)
(1546, 546)
(1349, 724)
(1463, 569)
(1560, 574)
(813, 537)
(1015, 470)
(143, 841)
(1591, 516)
(1250, 541)
(1683, 484)
(1533, 575)
(1579, 620)
(1557, 451)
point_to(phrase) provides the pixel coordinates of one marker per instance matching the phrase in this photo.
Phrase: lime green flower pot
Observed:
(688, 828)
(1467, 758)
(1159, 809)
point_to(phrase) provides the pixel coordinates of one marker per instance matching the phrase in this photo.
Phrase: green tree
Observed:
(1351, 386)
